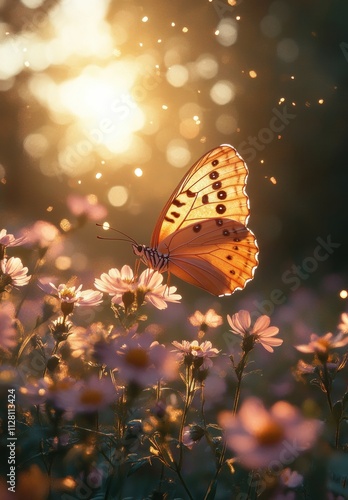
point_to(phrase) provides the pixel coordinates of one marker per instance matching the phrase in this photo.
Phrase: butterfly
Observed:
(201, 234)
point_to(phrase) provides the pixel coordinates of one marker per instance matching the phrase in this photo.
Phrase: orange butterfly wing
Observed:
(215, 182)
(218, 255)
(203, 225)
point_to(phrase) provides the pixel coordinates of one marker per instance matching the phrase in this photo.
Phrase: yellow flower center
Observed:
(91, 397)
(269, 433)
(196, 348)
(67, 293)
(324, 345)
(137, 357)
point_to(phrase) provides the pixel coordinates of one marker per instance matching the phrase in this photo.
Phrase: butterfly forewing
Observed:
(213, 187)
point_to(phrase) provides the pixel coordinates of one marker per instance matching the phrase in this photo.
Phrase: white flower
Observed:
(13, 272)
(73, 295)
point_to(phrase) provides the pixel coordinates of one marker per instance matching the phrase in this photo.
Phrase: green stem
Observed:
(239, 372)
(327, 384)
(190, 385)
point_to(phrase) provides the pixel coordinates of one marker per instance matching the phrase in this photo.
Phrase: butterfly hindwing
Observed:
(213, 187)
(218, 255)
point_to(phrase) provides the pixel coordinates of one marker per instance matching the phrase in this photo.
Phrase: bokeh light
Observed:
(118, 196)
(222, 92)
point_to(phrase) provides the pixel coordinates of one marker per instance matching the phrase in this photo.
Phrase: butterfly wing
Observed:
(218, 255)
(214, 186)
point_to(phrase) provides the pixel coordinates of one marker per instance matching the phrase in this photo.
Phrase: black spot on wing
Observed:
(178, 203)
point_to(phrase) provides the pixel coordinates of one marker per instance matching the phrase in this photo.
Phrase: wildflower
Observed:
(291, 478)
(204, 321)
(86, 207)
(261, 332)
(13, 273)
(321, 346)
(193, 352)
(140, 360)
(260, 437)
(127, 290)
(343, 326)
(83, 396)
(41, 234)
(192, 434)
(61, 329)
(8, 333)
(71, 296)
(82, 341)
(8, 240)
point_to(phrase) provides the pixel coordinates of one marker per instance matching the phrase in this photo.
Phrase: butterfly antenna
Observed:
(127, 238)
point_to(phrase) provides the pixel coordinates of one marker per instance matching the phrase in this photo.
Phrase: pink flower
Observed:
(41, 234)
(322, 345)
(8, 333)
(83, 396)
(343, 326)
(140, 360)
(13, 273)
(262, 438)
(208, 320)
(240, 324)
(86, 206)
(202, 352)
(83, 340)
(147, 287)
(8, 240)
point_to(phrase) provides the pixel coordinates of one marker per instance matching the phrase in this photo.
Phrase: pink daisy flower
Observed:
(343, 326)
(83, 396)
(204, 321)
(8, 240)
(140, 360)
(323, 345)
(262, 438)
(193, 351)
(240, 324)
(147, 287)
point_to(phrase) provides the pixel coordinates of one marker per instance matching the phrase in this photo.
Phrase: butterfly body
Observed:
(201, 235)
